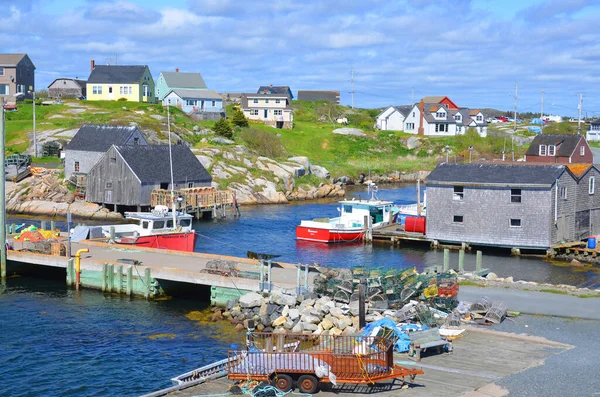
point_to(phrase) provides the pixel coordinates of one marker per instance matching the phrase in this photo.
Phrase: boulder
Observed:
(310, 318)
(221, 140)
(263, 310)
(303, 161)
(298, 328)
(283, 299)
(320, 172)
(335, 331)
(341, 323)
(350, 331)
(294, 314)
(286, 311)
(412, 143)
(491, 276)
(251, 299)
(279, 321)
(308, 326)
(306, 303)
(260, 327)
(336, 312)
(349, 131)
(326, 324)
(574, 262)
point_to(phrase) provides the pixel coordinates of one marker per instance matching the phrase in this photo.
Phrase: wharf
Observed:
(147, 264)
(480, 358)
(395, 234)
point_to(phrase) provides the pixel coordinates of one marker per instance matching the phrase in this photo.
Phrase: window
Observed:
(410, 126)
(459, 193)
(185, 222)
(563, 192)
(76, 166)
(542, 150)
(458, 128)
(266, 100)
(515, 195)
(170, 223)
(413, 114)
(277, 112)
(479, 118)
(1, 71)
(190, 103)
(113, 159)
(348, 209)
(457, 117)
(440, 115)
(551, 150)
(255, 101)
(457, 219)
(441, 128)
(136, 141)
(253, 112)
(158, 224)
(277, 100)
(515, 223)
(190, 185)
(582, 151)
(4, 90)
(144, 224)
(157, 91)
(214, 103)
(592, 187)
(108, 185)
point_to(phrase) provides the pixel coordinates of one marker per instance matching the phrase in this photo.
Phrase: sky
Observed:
(473, 51)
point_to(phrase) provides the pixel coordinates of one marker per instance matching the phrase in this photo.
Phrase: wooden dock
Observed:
(395, 234)
(480, 358)
(198, 201)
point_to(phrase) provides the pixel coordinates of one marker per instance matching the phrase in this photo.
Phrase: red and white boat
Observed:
(350, 225)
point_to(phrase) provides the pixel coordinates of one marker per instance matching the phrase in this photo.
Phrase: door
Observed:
(582, 224)
(266, 113)
(110, 92)
(563, 228)
(108, 196)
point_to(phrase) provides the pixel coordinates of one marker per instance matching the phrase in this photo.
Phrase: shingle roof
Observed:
(111, 74)
(565, 144)
(495, 174)
(11, 59)
(404, 109)
(79, 82)
(282, 89)
(151, 163)
(197, 94)
(100, 137)
(184, 80)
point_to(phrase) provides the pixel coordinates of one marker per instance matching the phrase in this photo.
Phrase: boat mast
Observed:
(171, 165)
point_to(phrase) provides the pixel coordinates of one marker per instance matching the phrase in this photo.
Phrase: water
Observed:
(57, 343)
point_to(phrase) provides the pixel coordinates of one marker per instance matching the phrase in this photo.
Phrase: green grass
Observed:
(468, 283)
(555, 291)
(46, 160)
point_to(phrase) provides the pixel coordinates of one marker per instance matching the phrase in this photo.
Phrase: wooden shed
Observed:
(67, 88)
(126, 175)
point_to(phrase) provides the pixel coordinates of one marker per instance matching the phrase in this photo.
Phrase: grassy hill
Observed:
(379, 152)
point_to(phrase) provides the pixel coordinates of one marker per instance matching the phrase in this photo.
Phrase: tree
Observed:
(331, 111)
(239, 119)
(223, 128)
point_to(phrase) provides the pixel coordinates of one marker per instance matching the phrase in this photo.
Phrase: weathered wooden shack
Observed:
(126, 175)
(92, 141)
(503, 205)
(67, 88)
(587, 207)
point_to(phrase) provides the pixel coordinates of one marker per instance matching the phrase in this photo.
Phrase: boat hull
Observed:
(171, 241)
(328, 235)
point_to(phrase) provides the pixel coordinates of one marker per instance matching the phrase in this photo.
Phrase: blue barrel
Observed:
(592, 242)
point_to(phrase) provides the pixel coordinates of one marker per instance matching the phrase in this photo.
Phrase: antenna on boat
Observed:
(373, 189)
(171, 165)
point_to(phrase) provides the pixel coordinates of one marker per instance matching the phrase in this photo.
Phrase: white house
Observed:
(438, 120)
(593, 134)
(392, 118)
(270, 109)
(552, 118)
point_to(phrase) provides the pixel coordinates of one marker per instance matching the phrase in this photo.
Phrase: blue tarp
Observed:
(402, 334)
(537, 130)
(537, 121)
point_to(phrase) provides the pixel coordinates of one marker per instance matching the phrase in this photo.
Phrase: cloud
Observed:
(555, 8)
(121, 10)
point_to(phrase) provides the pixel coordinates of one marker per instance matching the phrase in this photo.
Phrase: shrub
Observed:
(223, 128)
(263, 143)
(239, 119)
(122, 99)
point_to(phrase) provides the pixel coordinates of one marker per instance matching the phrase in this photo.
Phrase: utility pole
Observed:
(542, 114)
(35, 151)
(580, 109)
(352, 91)
(516, 100)
(2, 195)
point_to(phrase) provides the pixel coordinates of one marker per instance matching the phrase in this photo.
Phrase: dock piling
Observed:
(129, 280)
(104, 271)
(43, 225)
(446, 259)
(112, 233)
(478, 261)
(70, 272)
(148, 280)
(461, 261)
(111, 277)
(52, 225)
(119, 277)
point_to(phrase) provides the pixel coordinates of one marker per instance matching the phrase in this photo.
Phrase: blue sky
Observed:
(474, 51)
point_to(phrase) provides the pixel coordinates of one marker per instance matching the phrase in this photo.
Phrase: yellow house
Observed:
(113, 82)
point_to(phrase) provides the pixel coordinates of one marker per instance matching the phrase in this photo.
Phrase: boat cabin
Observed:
(356, 210)
(151, 224)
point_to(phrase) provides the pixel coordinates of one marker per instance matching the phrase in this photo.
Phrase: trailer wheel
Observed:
(308, 384)
(283, 382)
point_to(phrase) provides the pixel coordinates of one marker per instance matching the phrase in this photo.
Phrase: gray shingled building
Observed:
(93, 140)
(316, 95)
(503, 205)
(126, 175)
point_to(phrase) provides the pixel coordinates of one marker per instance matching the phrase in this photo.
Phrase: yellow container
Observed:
(430, 291)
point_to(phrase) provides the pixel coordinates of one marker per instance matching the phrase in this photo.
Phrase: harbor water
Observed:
(56, 342)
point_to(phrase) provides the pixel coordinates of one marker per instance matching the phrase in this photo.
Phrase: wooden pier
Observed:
(198, 201)
(396, 234)
(451, 374)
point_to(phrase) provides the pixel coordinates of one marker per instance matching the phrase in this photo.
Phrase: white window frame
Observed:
(1, 70)
(563, 192)
(516, 196)
(582, 150)
(542, 151)
(510, 222)
(441, 128)
(457, 117)
(7, 89)
(592, 185)
(458, 193)
(440, 115)
(410, 126)
(551, 150)
(267, 100)
(277, 100)
(278, 112)
(255, 100)
(479, 118)
(253, 112)
(458, 222)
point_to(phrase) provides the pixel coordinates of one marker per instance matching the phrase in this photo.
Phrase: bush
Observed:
(263, 143)
(239, 119)
(122, 99)
(223, 128)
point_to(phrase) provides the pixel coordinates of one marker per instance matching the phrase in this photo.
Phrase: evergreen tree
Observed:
(239, 119)
(223, 128)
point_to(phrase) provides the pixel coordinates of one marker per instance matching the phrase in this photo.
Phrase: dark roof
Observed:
(495, 174)
(595, 122)
(110, 74)
(150, 163)
(404, 110)
(100, 137)
(315, 95)
(565, 144)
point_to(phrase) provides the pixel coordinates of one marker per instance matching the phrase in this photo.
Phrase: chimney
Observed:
(271, 85)
(265, 91)
(176, 70)
(422, 111)
(92, 65)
